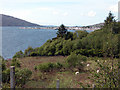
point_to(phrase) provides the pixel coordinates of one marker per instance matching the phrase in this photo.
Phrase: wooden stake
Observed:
(12, 77)
(58, 84)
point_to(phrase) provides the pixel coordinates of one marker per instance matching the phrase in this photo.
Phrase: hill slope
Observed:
(12, 21)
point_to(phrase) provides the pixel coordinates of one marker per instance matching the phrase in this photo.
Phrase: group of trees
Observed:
(103, 42)
(98, 43)
(21, 75)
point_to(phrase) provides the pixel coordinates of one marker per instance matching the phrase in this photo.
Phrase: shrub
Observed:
(6, 76)
(77, 44)
(59, 65)
(47, 67)
(40, 51)
(49, 41)
(74, 61)
(59, 47)
(18, 55)
(74, 35)
(81, 34)
(41, 75)
(33, 54)
(89, 52)
(67, 47)
(15, 63)
(3, 65)
(28, 51)
(22, 76)
(107, 76)
(69, 35)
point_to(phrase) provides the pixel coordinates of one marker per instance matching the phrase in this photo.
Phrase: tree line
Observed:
(103, 42)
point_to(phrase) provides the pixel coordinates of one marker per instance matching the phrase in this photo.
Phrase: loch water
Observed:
(14, 39)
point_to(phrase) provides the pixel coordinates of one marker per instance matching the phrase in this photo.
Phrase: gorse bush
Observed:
(6, 76)
(111, 45)
(48, 67)
(106, 76)
(28, 51)
(69, 35)
(75, 61)
(15, 63)
(59, 65)
(81, 34)
(22, 76)
(67, 47)
(19, 54)
(3, 64)
(90, 52)
(33, 54)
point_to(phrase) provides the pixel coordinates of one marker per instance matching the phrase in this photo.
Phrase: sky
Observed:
(57, 12)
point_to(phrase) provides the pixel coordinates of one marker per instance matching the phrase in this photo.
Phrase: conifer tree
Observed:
(62, 31)
(109, 20)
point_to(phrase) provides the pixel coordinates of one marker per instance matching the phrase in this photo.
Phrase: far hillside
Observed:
(12, 21)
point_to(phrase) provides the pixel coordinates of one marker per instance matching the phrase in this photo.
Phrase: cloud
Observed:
(65, 14)
(44, 8)
(113, 8)
(32, 1)
(58, 11)
(55, 12)
(19, 14)
(82, 14)
(91, 14)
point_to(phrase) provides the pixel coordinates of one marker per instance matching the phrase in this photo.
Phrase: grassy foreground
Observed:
(68, 78)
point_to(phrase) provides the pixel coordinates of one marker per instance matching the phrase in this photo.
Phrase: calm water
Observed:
(15, 39)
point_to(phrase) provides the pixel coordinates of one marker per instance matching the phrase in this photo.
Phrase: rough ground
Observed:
(67, 79)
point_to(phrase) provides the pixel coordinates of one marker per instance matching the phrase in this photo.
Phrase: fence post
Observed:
(58, 84)
(93, 86)
(12, 77)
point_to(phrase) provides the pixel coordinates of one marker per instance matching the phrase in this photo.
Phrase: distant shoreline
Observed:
(56, 28)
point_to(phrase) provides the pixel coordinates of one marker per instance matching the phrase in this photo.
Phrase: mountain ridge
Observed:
(6, 20)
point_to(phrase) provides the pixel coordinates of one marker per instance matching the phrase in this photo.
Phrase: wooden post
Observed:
(12, 77)
(119, 74)
(58, 84)
(93, 86)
